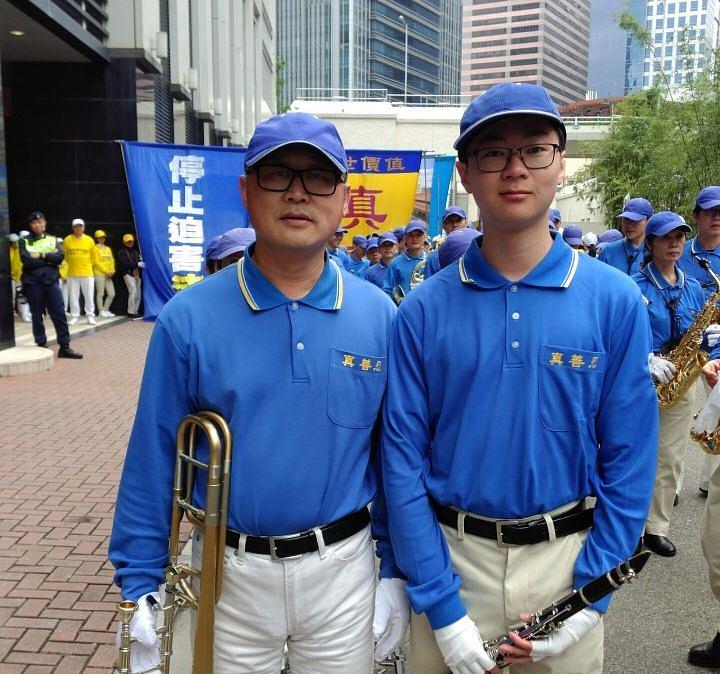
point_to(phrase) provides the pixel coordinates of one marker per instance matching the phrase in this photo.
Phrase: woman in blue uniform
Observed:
(673, 300)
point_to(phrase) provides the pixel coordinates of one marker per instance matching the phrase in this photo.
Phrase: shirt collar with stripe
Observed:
(660, 281)
(697, 249)
(260, 294)
(556, 270)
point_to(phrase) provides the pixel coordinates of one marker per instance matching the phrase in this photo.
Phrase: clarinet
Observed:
(551, 618)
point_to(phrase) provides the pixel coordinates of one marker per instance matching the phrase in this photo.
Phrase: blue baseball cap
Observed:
(455, 245)
(572, 235)
(399, 233)
(610, 235)
(234, 241)
(709, 197)
(360, 241)
(504, 99)
(212, 248)
(554, 216)
(415, 226)
(372, 243)
(637, 209)
(387, 237)
(454, 210)
(292, 128)
(664, 222)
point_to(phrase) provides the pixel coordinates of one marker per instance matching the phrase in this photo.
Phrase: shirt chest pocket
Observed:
(569, 382)
(356, 384)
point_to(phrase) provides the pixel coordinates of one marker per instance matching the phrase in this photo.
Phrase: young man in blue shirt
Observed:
(517, 376)
(402, 276)
(356, 262)
(387, 244)
(334, 246)
(453, 218)
(627, 254)
(284, 331)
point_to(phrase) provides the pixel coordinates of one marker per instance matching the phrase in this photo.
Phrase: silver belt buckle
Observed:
(273, 549)
(499, 524)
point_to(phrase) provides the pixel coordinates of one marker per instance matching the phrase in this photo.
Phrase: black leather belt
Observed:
(513, 532)
(295, 546)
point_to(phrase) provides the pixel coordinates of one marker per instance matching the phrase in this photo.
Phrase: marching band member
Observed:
(335, 248)
(399, 233)
(356, 263)
(627, 254)
(398, 277)
(673, 300)
(284, 331)
(706, 245)
(387, 244)
(453, 218)
(372, 252)
(516, 380)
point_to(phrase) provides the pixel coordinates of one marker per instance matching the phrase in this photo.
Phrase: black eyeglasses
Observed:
(315, 181)
(496, 159)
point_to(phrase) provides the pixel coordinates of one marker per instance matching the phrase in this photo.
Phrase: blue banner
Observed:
(182, 196)
(442, 172)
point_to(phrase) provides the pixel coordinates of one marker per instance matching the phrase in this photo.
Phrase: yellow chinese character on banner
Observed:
(557, 359)
(370, 164)
(365, 364)
(576, 360)
(395, 164)
(348, 360)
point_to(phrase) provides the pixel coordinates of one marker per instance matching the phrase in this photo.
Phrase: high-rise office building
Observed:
(606, 61)
(346, 48)
(543, 42)
(682, 34)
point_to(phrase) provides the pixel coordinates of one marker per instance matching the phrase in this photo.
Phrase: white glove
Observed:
(392, 615)
(662, 369)
(145, 649)
(709, 415)
(141, 264)
(462, 648)
(572, 630)
(712, 332)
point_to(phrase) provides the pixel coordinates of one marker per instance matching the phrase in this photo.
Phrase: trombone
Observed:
(212, 521)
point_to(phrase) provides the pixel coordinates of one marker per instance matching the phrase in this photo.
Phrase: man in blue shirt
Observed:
(356, 262)
(516, 380)
(453, 218)
(387, 244)
(372, 252)
(399, 233)
(627, 254)
(283, 333)
(335, 248)
(404, 273)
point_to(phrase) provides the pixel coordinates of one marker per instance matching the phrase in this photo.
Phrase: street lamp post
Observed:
(402, 18)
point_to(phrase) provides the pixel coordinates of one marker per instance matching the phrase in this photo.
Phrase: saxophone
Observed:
(687, 356)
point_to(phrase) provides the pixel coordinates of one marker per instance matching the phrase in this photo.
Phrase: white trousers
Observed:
(133, 286)
(319, 605)
(104, 285)
(498, 584)
(710, 533)
(86, 285)
(673, 440)
(64, 291)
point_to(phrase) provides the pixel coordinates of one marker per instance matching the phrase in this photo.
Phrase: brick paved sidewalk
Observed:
(64, 437)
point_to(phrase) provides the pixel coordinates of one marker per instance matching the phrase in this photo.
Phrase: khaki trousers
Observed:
(710, 533)
(498, 584)
(674, 437)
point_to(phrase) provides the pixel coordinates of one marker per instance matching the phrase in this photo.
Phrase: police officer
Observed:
(673, 300)
(41, 255)
(399, 278)
(284, 329)
(627, 254)
(387, 245)
(453, 218)
(356, 262)
(474, 438)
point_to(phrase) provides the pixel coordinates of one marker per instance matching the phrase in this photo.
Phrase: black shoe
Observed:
(676, 500)
(67, 352)
(707, 654)
(660, 545)
(703, 492)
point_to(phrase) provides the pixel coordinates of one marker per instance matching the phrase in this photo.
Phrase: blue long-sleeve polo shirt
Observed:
(376, 274)
(623, 256)
(300, 383)
(510, 399)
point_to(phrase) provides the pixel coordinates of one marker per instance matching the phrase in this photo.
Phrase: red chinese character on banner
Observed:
(361, 206)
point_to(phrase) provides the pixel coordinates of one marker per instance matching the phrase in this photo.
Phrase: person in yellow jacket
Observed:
(104, 269)
(81, 255)
(62, 269)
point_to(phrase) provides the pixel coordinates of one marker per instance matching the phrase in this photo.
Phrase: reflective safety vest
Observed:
(47, 244)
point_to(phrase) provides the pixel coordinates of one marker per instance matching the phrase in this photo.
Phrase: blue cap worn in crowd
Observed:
(637, 209)
(504, 99)
(610, 235)
(664, 222)
(292, 128)
(387, 237)
(708, 198)
(399, 233)
(455, 245)
(372, 243)
(572, 235)
(415, 226)
(212, 248)
(554, 216)
(234, 241)
(454, 210)
(359, 241)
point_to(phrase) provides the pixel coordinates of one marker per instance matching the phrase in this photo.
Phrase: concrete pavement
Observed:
(64, 437)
